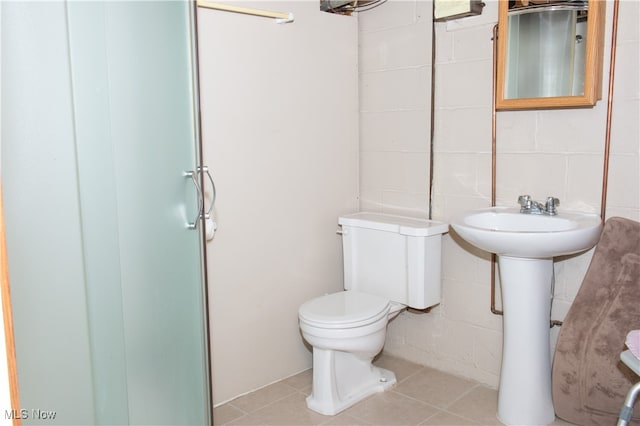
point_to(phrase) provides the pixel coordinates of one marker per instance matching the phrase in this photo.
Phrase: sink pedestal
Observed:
(524, 395)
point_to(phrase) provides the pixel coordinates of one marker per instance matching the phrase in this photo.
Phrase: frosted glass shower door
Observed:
(99, 125)
(141, 54)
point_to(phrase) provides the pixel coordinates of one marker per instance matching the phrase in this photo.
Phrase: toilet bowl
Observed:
(347, 330)
(390, 262)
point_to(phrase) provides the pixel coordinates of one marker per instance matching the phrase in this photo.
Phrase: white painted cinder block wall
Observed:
(552, 152)
(395, 107)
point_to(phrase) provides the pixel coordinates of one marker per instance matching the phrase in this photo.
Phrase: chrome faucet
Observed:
(528, 206)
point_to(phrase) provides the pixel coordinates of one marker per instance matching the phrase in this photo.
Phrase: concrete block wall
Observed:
(395, 63)
(546, 152)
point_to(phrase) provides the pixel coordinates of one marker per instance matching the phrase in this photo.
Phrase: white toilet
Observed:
(390, 262)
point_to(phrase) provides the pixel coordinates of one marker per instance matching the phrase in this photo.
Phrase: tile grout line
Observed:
(463, 394)
(247, 413)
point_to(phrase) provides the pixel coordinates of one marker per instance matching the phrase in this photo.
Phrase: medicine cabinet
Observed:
(549, 53)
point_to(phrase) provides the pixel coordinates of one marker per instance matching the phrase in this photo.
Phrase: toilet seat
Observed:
(345, 309)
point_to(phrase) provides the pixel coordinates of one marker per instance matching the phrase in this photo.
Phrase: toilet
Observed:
(390, 263)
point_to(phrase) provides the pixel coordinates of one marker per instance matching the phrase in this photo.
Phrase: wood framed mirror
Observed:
(550, 53)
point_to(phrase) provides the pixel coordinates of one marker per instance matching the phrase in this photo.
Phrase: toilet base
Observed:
(341, 379)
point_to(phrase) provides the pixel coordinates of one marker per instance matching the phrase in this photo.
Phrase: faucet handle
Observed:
(524, 200)
(551, 205)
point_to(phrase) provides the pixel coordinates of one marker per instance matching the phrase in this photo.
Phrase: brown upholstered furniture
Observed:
(589, 381)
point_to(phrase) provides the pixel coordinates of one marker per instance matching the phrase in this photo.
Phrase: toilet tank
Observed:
(394, 257)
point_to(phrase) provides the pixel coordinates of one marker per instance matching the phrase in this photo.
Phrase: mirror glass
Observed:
(549, 53)
(546, 50)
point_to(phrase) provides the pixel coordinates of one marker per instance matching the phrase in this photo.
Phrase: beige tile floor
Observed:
(422, 396)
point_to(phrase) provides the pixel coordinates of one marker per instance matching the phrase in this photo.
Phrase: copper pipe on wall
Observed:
(493, 164)
(607, 143)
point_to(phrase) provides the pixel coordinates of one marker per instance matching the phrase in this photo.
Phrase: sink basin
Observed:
(507, 232)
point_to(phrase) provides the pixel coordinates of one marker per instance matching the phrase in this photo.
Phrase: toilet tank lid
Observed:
(392, 223)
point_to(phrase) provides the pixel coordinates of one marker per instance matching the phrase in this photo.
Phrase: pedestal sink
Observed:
(525, 245)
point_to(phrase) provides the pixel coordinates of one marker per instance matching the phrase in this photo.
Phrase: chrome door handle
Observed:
(193, 176)
(205, 169)
(200, 191)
